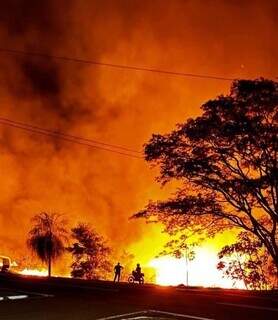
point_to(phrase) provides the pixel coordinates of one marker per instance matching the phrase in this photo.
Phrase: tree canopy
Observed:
(47, 237)
(248, 261)
(226, 162)
(90, 253)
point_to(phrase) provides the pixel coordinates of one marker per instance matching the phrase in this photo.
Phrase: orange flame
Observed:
(34, 272)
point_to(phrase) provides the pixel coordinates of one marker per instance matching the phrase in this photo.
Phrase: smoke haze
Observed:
(225, 38)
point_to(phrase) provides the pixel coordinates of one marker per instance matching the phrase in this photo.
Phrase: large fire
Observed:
(201, 271)
(115, 106)
(34, 272)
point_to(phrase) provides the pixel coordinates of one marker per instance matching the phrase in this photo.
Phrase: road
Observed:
(68, 299)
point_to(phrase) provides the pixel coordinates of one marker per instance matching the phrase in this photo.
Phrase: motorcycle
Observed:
(135, 277)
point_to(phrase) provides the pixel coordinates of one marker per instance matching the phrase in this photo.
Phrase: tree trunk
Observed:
(242, 273)
(49, 266)
(49, 254)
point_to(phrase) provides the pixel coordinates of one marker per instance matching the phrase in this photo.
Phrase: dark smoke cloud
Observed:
(21, 16)
(44, 79)
(224, 38)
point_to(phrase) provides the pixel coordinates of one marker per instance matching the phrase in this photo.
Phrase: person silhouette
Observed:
(117, 270)
(139, 274)
(138, 269)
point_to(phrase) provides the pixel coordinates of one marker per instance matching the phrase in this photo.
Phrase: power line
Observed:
(69, 140)
(69, 135)
(114, 65)
(64, 137)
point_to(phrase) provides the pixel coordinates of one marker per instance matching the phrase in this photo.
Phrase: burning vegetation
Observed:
(118, 107)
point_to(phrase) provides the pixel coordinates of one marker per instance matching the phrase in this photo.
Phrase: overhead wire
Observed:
(85, 141)
(69, 138)
(69, 135)
(114, 65)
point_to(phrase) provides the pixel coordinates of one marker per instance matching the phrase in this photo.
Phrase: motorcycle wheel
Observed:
(130, 279)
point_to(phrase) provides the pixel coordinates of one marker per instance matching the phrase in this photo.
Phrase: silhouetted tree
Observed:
(248, 261)
(179, 248)
(226, 163)
(90, 253)
(46, 238)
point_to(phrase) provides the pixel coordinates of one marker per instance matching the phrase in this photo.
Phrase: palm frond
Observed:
(47, 236)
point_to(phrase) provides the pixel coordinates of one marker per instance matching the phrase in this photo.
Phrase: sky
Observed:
(234, 39)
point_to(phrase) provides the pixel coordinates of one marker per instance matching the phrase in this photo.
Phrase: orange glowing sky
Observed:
(225, 38)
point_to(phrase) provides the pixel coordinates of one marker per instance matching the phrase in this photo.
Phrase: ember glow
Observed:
(34, 272)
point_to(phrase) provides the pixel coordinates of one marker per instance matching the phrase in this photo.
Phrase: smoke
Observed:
(235, 38)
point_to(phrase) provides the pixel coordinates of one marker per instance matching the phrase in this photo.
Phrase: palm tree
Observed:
(46, 238)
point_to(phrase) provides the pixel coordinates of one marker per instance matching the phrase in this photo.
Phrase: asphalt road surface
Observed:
(34, 298)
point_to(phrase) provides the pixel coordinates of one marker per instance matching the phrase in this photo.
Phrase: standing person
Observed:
(139, 274)
(138, 269)
(117, 270)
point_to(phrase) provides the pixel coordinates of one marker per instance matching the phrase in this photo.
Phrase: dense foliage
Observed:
(247, 260)
(90, 254)
(226, 163)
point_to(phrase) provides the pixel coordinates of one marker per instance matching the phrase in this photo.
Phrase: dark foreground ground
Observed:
(68, 299)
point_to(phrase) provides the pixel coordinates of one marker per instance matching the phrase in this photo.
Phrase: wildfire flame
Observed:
(202, 271)
(114, 106)
(34, 272)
